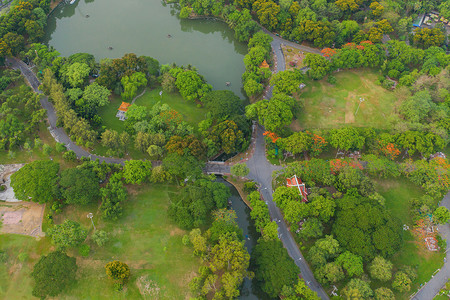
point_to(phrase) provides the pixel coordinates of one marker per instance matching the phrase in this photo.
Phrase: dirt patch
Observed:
(176, 231)
(22, 218)
(387, 185)
(133, 189)
(149, 289)
(349, 114)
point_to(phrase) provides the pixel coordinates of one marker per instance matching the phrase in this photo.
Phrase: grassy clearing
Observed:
(15, 279)
(413, 252)
(144, 238)
(191, 113)
(329, 106)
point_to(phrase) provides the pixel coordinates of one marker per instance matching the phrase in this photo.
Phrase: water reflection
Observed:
(141, 27)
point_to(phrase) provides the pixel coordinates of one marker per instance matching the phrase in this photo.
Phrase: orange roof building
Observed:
(122, 110)
(264, 64)
(124, 106)
(296, 182)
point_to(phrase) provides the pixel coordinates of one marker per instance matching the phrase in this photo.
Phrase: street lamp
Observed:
(360, 101)
(90, 216)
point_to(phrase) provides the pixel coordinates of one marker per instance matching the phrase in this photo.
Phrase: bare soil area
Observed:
(22, 218)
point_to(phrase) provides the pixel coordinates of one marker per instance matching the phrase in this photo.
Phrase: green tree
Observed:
(190, 84)
(118, 270)
(318, 66)
(53, 273)
(137, 171)
(113, 194)
(273, 115)
(76, 74)
(231, 259)
(352, 264)
(272, 274)
(441, 215)
(36, 181)
(329, 273)
(159, 174)
(357, 289)
(240, 170)
(401, 282)
(223, 104)
(384, 293)
(346, 138)
(296, 143)
(182, 166)
(68, 234)
(131, 84)
(426, 37)
(110, 139)
(96, 95)
(100, 237)
(267, 12)
(286, 82)
(79, 186)
(381, 269)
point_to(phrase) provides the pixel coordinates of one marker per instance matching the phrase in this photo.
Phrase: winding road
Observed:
(280, 64)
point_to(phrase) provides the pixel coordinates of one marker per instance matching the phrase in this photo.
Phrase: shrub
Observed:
(22, 256)
(70, 156)
(3, 256)
(250, 186)
(84, 250)
(100, 237)
(118, 270)
(60, 147)
(331, 79)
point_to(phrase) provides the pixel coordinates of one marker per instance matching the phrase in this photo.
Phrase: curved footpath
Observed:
(280, 64)
(57, 132)
(432, 287)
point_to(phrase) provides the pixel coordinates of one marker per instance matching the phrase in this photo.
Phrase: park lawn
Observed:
(412, 252)
(108, 114)
(330, 106)
(191, 113)
(15, 276)
(144, 238)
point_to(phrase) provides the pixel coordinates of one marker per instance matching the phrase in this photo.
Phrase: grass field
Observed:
(191, 113)
(413, 253)
(329, 106)
(143, 237)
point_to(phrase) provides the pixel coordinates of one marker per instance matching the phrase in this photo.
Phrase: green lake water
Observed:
(142, 27)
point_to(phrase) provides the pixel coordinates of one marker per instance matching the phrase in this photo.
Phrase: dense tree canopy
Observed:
(53, 273)
(79, 186)
(272, 274)
(193, 206)
(36, 181)
(365, 228)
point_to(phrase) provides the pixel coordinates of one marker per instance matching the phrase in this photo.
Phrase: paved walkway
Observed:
(432, 287)
(261, 171)
(280, 64)
(58, 133)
